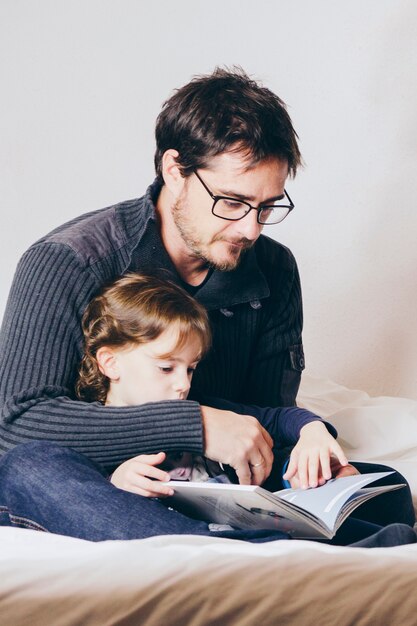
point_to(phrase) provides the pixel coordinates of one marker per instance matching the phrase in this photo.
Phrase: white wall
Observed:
(83, 80)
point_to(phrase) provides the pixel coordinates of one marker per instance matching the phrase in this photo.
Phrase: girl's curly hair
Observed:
(133, 310)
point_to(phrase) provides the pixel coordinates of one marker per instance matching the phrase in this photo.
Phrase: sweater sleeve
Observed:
(283, 424)
(40, 348)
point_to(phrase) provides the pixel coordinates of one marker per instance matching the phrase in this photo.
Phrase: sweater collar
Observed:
(244, 284)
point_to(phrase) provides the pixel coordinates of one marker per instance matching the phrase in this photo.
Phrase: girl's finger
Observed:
(151, 459)
(150, 494)
(303, 471)
(325, 464)
(151, 487)
(313, 470)
(143, 469)
(338, 452)
(292, 466)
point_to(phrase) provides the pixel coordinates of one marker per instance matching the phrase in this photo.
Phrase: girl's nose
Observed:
(182, 383)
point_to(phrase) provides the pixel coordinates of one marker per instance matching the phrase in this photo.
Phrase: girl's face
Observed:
(140, 374)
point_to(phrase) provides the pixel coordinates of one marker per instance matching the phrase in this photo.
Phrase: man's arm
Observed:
(316, 456)
(283, 424)
(40, 348)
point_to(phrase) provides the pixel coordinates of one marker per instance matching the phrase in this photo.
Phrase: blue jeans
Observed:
(51, 488)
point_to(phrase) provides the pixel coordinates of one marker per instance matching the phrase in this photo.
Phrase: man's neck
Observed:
(191, 269)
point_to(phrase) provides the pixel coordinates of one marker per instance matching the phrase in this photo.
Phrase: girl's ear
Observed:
(107, 362)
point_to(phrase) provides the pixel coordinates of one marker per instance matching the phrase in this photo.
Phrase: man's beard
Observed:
(201, 251)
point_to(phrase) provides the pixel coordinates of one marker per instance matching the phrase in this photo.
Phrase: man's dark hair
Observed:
(221, 112)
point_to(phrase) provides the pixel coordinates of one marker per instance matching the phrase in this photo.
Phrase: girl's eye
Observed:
(191, 370)
(166, 369)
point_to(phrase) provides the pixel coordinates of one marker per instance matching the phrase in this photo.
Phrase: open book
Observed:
(311, 513)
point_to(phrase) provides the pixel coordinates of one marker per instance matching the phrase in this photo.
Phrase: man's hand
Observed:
(317, 457)
(135, 475)
(240, 441)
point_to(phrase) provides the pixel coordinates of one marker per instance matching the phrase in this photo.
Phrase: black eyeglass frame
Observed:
(259, 210)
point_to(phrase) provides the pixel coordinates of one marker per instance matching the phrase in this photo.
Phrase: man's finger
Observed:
(268, 439)
(244, 473)
(265, 444)
(258, 475)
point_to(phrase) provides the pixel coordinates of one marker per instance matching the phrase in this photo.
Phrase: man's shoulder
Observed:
(271, 254)
(96, 235)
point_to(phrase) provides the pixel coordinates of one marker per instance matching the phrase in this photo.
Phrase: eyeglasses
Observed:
(234, 209)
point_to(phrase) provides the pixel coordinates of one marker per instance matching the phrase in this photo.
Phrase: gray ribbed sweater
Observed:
(255, 312)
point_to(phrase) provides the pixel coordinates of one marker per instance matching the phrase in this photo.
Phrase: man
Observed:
(244, 152)
(225, 147)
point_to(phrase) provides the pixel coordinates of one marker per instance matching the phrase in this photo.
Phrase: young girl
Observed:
(144, 337)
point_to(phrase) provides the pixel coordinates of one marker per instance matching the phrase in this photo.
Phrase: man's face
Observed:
(219, 242)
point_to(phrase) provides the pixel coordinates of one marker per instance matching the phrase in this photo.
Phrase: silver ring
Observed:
(257, 464)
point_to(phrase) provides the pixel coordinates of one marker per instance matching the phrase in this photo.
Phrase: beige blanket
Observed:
(52, 580)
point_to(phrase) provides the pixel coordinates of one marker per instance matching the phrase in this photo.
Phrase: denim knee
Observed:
(38, 457)
(18, 462)
(30, 452)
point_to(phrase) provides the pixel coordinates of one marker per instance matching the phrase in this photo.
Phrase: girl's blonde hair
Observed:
(134, 310)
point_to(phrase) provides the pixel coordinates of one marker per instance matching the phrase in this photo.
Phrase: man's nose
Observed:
(248, 226)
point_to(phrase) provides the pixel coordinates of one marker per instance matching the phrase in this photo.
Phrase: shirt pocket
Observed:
(294, 366)
(297, 357)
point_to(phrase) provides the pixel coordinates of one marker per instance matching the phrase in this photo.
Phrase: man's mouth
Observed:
(241, 245)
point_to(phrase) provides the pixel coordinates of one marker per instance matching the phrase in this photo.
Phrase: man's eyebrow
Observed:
(239, 196)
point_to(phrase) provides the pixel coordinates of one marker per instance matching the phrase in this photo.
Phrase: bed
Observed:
(50, 579)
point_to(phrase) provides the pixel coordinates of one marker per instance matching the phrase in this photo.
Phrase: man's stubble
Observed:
(200, 249)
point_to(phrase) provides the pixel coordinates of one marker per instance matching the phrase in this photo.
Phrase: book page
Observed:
(241, 506)
(326, 502)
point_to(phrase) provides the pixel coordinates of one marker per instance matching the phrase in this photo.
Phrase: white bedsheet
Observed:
(52, 580)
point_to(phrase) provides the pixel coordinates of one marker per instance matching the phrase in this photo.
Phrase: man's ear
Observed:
(107, 363)
(171, 173)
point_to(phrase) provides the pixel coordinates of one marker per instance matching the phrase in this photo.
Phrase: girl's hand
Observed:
(340, 471)
(135, 475)
(316, 458)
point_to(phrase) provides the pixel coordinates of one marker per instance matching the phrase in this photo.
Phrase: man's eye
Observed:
(232, 204)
